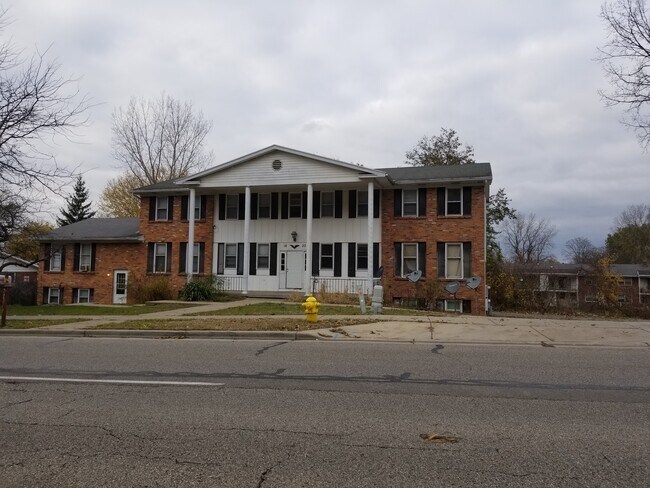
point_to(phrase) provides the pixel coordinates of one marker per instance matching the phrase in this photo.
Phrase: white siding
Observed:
(295, 170)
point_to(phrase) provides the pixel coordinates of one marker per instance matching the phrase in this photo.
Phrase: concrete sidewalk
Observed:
(434, 329)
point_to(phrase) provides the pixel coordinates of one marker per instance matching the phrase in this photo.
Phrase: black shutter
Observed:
(352, 204)
(422, 257)
(284, 208)
(204, 207)
(441, 260)
(169, 257)
(375, 259)
(253, 206)
(273, 259)
(242, 206)
(152, 208)
(252, 262)
(46, 292)
(75, 295)
(77, 250)
(240, 258)
(315, 258)
(467, 259)
(150, 257)
(422, 202)
(222, 206)
(274, 205)
(220, 258)
(91, 298)
(316, 209)
(338, 247)
(201, 257)
(338, 204)
(182, 257)
(47, 250)
(62, 258)
(467, 200)
(376, 204)
(304, 204)
(170, 208)
(398, 203)
(93, 256)
(184, 203)
(352, 258)
(441, 201)
(398, 259)
(467, 306)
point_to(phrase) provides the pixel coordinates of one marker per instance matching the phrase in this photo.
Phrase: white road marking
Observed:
(119, 382)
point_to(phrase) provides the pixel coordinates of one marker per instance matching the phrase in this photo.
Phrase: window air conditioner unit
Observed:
(84, 268)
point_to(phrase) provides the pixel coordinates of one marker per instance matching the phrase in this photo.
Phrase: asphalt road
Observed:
(278, 414)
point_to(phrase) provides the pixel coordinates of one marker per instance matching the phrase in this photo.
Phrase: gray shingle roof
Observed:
(123, 229)
(415, 174)
(165, 186)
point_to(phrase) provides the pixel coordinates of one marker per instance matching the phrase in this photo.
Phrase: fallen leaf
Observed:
(439, 438)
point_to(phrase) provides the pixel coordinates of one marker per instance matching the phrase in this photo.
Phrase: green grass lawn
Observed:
(48, 310)
(295, 309)
(33, 324)
(237, 323)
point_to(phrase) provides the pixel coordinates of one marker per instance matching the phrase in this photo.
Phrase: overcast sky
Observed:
(362, 81)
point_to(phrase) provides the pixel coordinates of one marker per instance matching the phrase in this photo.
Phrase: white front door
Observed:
(119, 287)
(295, 269)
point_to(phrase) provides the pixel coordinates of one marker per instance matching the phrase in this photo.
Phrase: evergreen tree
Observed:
(78, 207)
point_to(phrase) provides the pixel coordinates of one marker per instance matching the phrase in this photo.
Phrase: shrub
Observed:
(150, 288)
(201, 290)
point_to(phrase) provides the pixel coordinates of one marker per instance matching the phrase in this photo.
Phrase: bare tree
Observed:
(580, 250)
(633, 215)
(37, 103)
(625, 58)
(441, 150)
(158, 140)
(529, 238)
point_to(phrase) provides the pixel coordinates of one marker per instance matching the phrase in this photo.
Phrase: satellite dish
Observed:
(380, 272)
(473, 282)
(452, 287)
(414, 276)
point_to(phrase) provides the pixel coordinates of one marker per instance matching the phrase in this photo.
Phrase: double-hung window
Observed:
(231, 256)
(409, 257)
(295, 205)
(454, 201)
(326, 256)
(160, 257)
(83, 295)
(454, 260)
(232, 207)
(263, 253)
(55, 259)
(362, 256)
(196, 256)
(162, 208)
(327, 204)
(54, 295)
(409, 202)
(85, 257)
(362, 203)
(264, 206)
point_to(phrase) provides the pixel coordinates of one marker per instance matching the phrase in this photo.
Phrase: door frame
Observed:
(123, 299)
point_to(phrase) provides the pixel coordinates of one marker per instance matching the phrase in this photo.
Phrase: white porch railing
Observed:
(341, 285)
(229, 283)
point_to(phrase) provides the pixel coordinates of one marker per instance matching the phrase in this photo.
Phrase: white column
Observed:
(190, 235)
(310, 213)
(247, 228)
(371, 213)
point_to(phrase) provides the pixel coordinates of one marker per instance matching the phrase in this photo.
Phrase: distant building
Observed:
(22, 276)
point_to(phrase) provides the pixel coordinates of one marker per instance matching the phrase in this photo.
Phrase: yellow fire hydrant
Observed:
(311, 309)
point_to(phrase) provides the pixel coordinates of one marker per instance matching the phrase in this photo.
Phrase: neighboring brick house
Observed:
(90, 261)
(281, 220)
(575, 286)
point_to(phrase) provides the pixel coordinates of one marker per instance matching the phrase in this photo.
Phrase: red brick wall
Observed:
(433, 229)
(176, 231)
(108, 257)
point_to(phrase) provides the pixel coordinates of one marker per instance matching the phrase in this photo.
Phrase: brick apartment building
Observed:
(280, 220)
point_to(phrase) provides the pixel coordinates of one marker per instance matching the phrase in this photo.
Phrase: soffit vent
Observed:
(277, 164)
